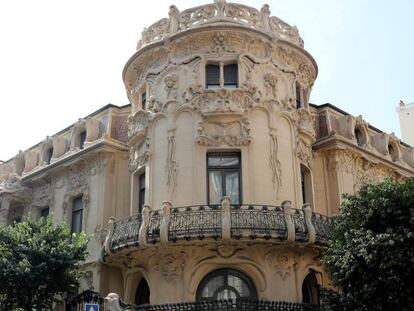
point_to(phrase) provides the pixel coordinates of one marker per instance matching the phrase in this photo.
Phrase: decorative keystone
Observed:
(290, 226)
(111, 302)
(143, 230)
(307, 211)
(166, 212)
(225, 218)
(111, 229)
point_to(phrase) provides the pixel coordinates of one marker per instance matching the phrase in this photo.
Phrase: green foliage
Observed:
(38, 260)
(371, 255)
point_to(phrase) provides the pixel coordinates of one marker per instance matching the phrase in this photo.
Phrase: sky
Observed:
(62, 60)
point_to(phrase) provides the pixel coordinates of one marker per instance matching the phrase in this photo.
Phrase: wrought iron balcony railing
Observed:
(225, 222)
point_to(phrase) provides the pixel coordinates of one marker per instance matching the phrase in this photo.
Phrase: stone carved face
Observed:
(170, 81)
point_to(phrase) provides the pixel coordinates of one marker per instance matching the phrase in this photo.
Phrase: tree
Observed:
(38, 261)
(371, 254)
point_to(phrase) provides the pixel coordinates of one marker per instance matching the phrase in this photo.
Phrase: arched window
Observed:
(310, 289)
(306, 184)
(82, 138)
(360, 137)
(226, 284)
(49, 154)
(393, 152)
(142, 294)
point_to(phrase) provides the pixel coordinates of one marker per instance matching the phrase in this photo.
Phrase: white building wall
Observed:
(406, 114)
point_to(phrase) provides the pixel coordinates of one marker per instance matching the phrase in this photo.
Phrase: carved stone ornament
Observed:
(221, 43)
(139, 155)
(12, 188)
(274, 162)
(77, 184)
(221, 12)
(171, 86)
(227, 250)
(235, 133)
(270, 84)
(304, 152)
(171, 165)
(42, 195)
(169, 264)
(305, 122)
(281, 263)
(137, 124)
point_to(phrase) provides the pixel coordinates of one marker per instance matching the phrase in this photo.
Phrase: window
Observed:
(82, 138)
(226, 284)
(221, 75)
(223, 172)
(141, 193)
(44, 212)
(142, 294)
(306, 184)
(310, 289)
(143, 100)
(49, 155)
(298, 96)
(393, 152)
(77, 214)
(359, 136)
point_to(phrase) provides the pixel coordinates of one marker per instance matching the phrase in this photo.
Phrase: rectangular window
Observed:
(49, 155)
(141, 194)
(223, 172)
(298, 96)
(82, 138)
(230, 76)
(44, 212)
(212, 76)
(77, 214)
(221, 75)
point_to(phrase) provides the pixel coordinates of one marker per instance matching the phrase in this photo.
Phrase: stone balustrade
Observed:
(220, 12)
(226, 222)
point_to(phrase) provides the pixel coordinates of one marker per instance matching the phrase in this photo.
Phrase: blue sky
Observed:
(61, 60)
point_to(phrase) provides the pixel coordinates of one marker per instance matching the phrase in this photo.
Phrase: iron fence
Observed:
(77, 303)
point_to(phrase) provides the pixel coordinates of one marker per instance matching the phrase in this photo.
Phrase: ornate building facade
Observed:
(218, 180)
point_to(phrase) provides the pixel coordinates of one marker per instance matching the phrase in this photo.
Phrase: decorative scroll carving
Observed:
(304, 152)
(305, 122)
(171, 163)
(221, 45)
(220, 11)
(275, 164)
(139, 155)
(235, 133)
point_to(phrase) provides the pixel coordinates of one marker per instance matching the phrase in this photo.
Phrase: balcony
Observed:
(225, 222)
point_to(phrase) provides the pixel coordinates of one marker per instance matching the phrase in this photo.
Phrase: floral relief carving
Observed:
(305, 122)
(171, 166)
(281, 263)
(214, 133)
(137, 124)
(274, 162)
(42, 195)
(304, 152)
(169, 264)
(221, 45)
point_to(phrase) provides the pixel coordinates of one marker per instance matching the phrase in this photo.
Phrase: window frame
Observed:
(141, 191)
(78, 210)
(224, 169)
(225, 272)
(221, 66)
(82, 139)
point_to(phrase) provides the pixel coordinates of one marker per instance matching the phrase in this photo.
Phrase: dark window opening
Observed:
(143, 100)
(142, 294)
(17, 219)
(226, 284)
(306, 184)
(224, 177)
(44, 212)
(141, 194)
(310, 290)
(393, 152)
(298, 96)
(359, 137)
(82, 138)
(77, 214)
(49, 155)
(230, 73)
(212, 76)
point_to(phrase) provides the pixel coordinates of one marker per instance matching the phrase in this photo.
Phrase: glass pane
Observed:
(226, 293)
(230, 75)
(239, 285)
(215, 185)
(232, 186)
(212, 286)
(223, 161)
(212, 76)
(77, 204)
(77, 221)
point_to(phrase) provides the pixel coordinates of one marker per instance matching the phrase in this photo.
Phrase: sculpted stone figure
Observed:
(174, 23)
(171, 86)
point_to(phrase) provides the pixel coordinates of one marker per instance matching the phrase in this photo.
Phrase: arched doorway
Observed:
(310, 289)
(142, 294)
(226, 284)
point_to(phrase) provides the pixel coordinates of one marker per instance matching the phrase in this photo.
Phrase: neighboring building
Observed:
(406, 114)
(220, 175)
